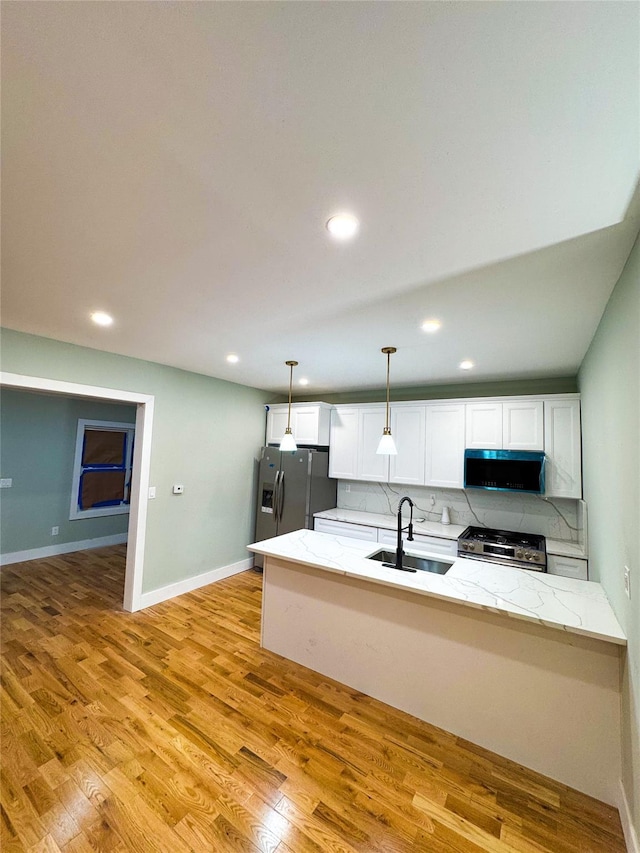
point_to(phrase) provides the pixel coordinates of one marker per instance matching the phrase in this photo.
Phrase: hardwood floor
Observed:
(171, 730)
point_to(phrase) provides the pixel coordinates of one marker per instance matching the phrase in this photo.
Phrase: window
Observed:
(102, 469)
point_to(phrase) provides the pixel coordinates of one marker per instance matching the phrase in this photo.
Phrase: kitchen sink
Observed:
(411, 562)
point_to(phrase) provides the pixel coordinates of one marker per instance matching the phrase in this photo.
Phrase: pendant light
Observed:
(288, 441)
(387, 445)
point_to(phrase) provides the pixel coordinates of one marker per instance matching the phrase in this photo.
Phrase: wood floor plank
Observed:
(172, 730)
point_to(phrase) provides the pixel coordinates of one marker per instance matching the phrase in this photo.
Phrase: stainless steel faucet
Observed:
(399, 550)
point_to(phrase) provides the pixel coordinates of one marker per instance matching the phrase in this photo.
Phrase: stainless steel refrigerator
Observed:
(292, 486)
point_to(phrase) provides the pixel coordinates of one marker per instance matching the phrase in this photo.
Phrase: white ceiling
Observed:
(175, 163)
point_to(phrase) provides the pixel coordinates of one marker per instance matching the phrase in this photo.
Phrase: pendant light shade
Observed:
(387, 446)
(288, 441)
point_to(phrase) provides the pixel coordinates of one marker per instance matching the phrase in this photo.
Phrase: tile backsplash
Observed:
(556, 518)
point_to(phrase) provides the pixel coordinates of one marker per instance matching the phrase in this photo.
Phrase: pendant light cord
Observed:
(290, 365)
(388, 363)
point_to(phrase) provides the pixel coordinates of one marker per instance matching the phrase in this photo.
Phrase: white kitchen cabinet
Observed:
(420, 544)
(355, 435)
(346, 528)
(408, 430)
(484, 425)
(568, 567)
(444, 445)
(309, 423)
(523, 425)
(372, 465)
(563, 473)
(509, 425)
(343, 443)
(276, 424)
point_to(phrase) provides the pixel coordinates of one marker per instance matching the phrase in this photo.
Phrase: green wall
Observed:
(37, 448)
(609, 382)
(206, 435)
(561, 385)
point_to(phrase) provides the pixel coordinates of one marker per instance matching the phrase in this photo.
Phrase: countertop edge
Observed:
(324, 564)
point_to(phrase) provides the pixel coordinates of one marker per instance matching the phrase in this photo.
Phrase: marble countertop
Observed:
(434, 528)
(567, 604)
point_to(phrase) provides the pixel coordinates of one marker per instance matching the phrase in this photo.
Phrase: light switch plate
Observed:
(152, 492)
(6, 483)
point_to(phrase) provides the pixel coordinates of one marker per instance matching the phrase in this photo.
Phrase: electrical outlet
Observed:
(627, 581)
(347, 488)
(432, 498)
(55, 531)
(6, 483)
(178, 490)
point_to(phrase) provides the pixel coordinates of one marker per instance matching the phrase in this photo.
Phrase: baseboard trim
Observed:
(63, 548)
(156, 596)
(630, 835)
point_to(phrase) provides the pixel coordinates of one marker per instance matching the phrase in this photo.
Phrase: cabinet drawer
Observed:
(420, 544)
(568, 567)
(345, 528)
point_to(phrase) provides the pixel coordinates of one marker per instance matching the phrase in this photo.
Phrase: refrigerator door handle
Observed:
(281, 496)
(276, 493)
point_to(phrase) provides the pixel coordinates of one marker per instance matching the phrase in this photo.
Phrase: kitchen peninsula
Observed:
(524, 664)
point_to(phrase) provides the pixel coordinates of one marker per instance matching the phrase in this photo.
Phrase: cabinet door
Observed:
(484, 426)
(435, 545)
(305, 424)
(408, 430)
(420, 544)
(371, 465)
(343, 444)
(523, 425)
(276, 424)
(563, 475)
(345, 528)
(445, 446)
(567, 567)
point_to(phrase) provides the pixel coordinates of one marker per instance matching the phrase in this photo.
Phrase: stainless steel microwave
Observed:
(504, 470)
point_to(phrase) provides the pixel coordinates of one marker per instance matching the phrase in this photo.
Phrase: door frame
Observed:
(141, 465)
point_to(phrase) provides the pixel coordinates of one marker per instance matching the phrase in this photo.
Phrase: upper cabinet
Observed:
(563, 448)
(445, 445)
(431, 438)
(355, 434)
(484, 425)
(309, 423)
(408, 430)
(509, 425)
(523, 425)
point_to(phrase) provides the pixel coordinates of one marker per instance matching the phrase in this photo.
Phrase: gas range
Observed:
(523, 550)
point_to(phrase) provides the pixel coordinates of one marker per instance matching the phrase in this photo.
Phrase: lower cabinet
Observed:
(346, 528)
(420, 543)
(568, 567)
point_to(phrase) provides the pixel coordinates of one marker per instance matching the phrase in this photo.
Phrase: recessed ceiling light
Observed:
(232, 358)
(303, 381)
(342, 226)
(431, 325)
(466, 364)
(101, 318)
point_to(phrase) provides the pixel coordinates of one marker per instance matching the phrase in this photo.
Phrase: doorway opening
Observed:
(139, 486)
